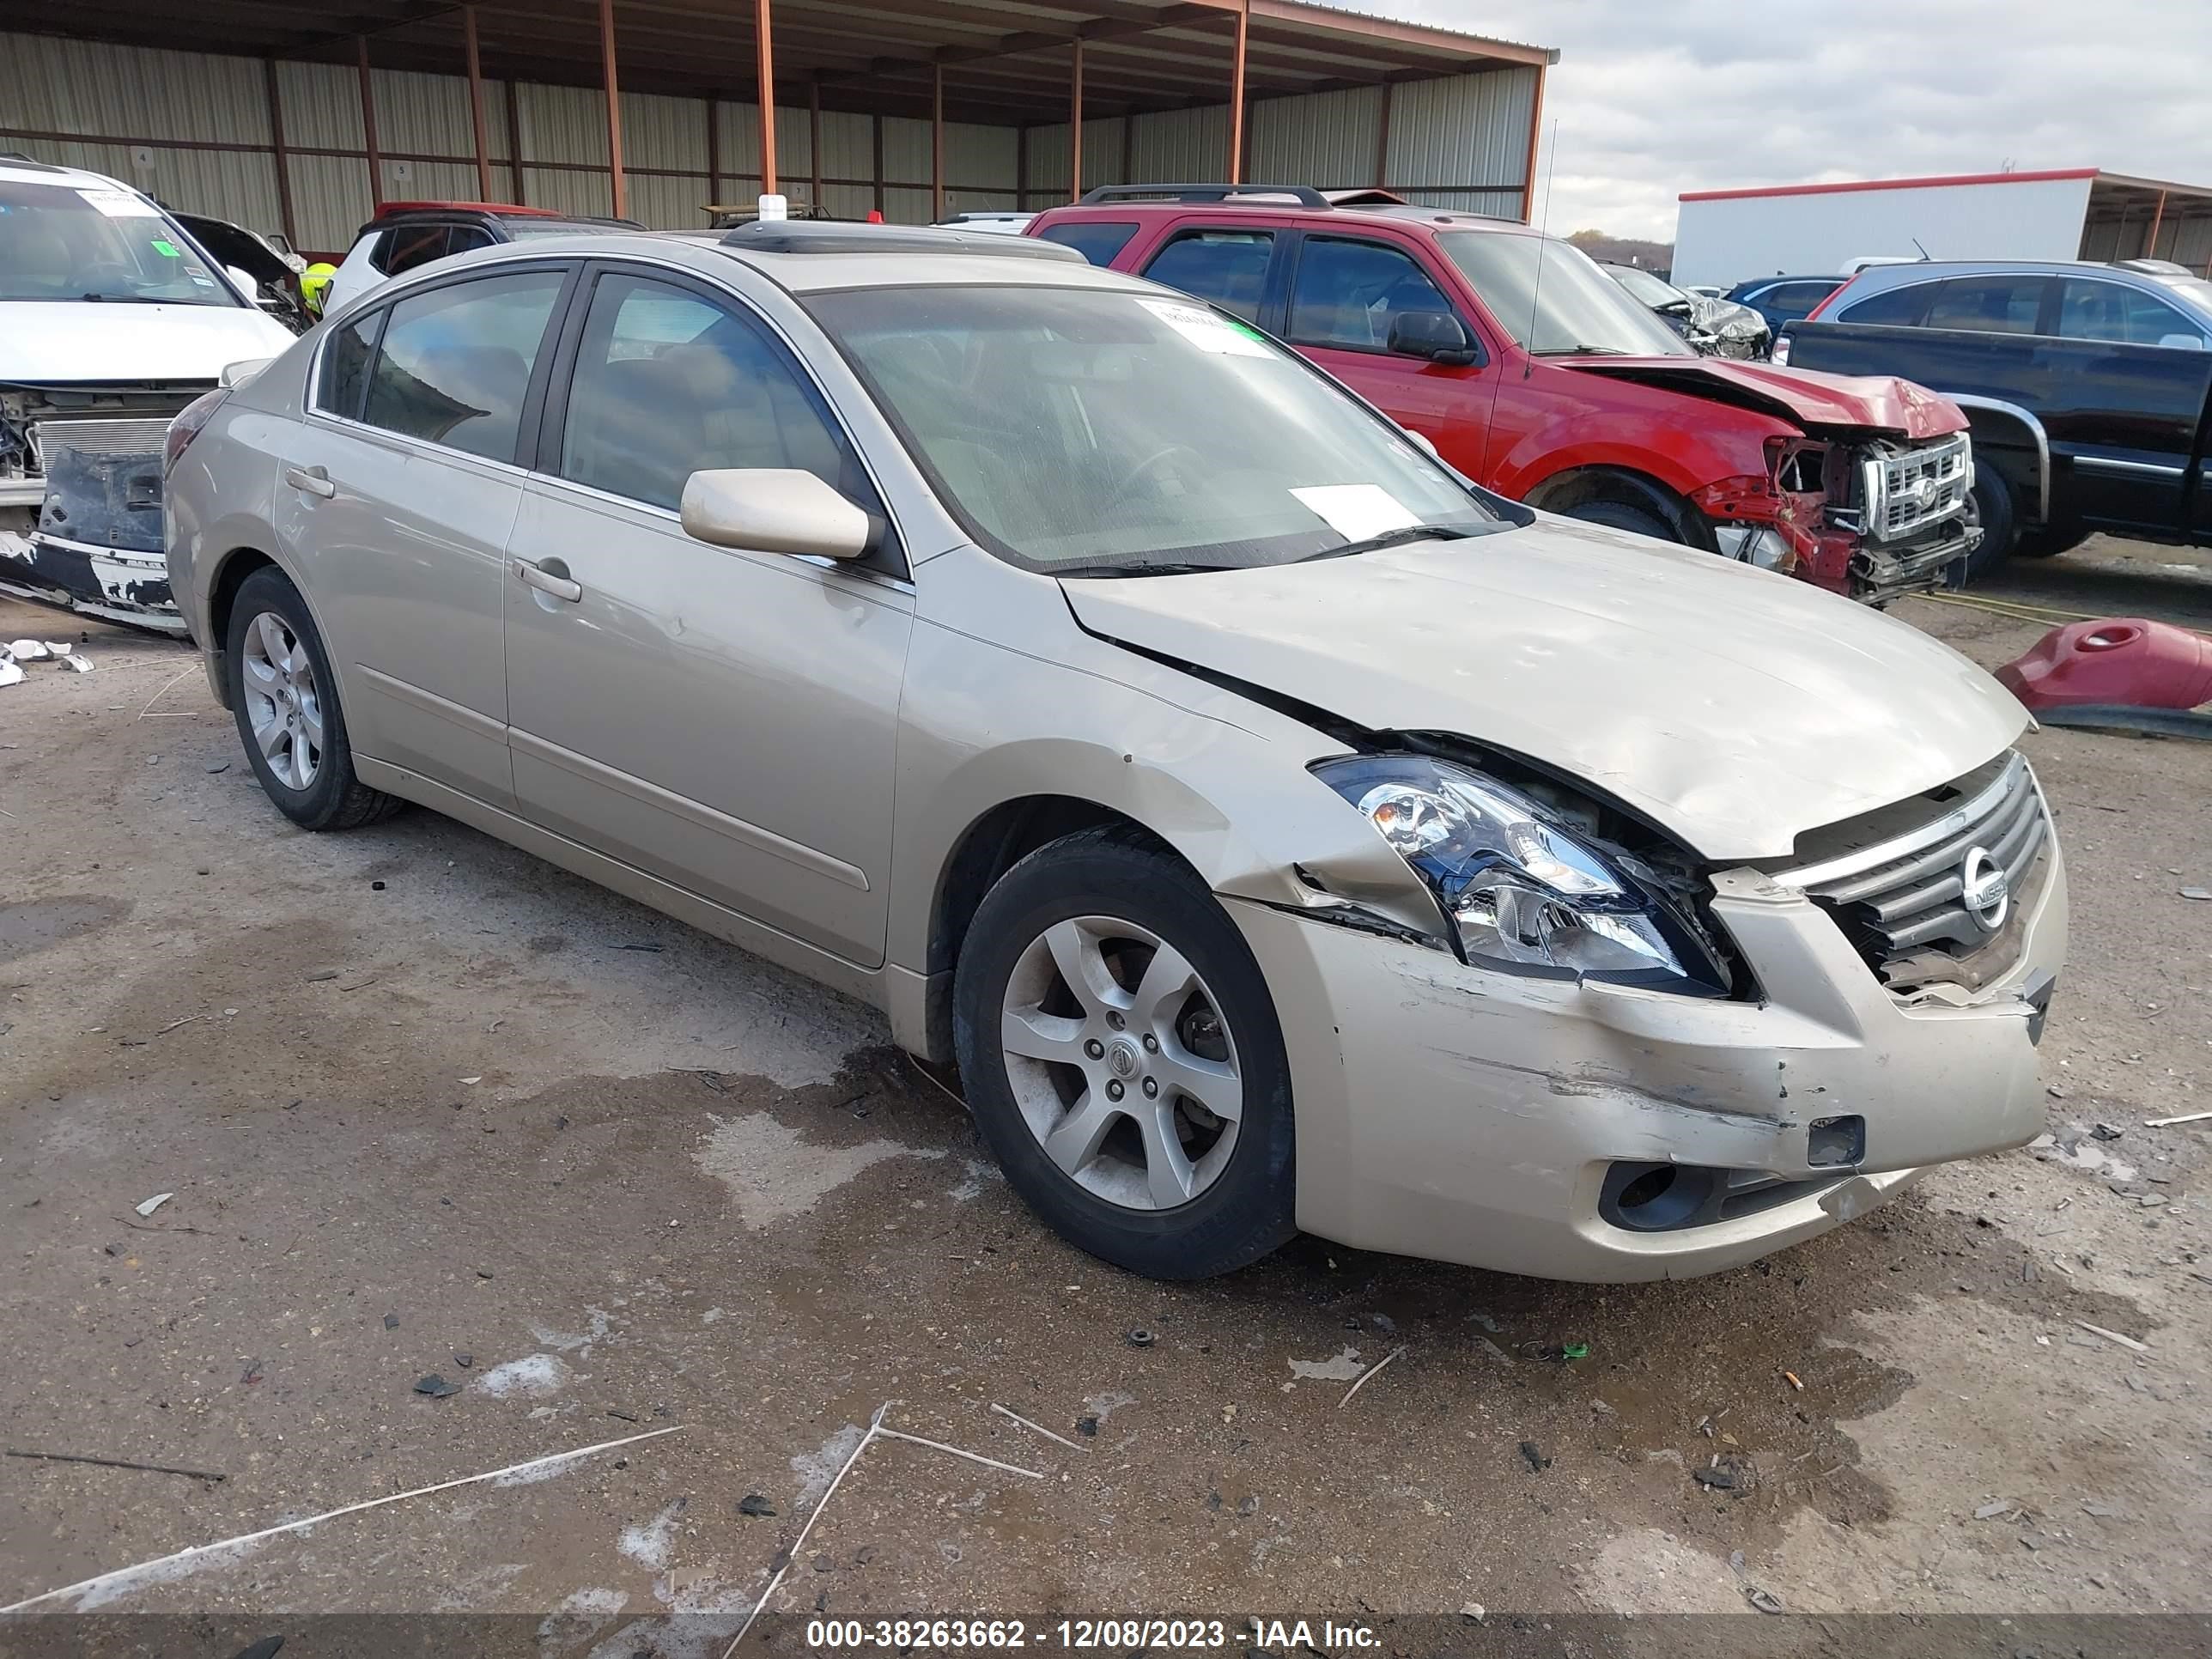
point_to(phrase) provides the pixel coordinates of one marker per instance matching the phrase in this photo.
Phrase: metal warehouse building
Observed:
(2077, 213)
(285, 119)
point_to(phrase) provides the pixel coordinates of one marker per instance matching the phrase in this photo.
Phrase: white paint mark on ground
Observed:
(1344, 1368)
(536, 1374)
(573, 1342)
(710, 1316)
(652, 1545)
(980, 1175)
(1103, 1405)
(816, 1470)
(580, 1615)
(117, 1585)
(773, 1174)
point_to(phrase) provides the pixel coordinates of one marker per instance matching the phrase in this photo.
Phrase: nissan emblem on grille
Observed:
(1984, 889)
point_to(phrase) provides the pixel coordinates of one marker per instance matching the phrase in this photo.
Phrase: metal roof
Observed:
(1005, 62)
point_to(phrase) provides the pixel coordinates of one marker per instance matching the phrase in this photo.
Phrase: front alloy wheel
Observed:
(283, 706)
(1121, 1063)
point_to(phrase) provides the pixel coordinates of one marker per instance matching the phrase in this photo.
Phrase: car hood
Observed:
(1855, 403)
(1734, 708)
(48, 343)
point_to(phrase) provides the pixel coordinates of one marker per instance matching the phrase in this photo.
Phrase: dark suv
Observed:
(405, 235)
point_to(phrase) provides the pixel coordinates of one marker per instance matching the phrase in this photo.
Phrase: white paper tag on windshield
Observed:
(120, 204)
(1357, 511)
(1204, 330)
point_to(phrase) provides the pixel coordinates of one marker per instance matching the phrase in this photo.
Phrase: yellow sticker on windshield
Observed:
(1204, 330)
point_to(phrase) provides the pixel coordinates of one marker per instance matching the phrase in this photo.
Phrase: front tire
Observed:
(285, 700)
(1991, 505)
(1122, 1056)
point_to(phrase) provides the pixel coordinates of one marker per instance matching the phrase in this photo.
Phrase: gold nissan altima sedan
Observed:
(1277, 830)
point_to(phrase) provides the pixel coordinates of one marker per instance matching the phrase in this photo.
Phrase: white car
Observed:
(112, 319)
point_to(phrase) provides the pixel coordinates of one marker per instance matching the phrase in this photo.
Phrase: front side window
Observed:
(669, 383)
(1988, 305)
(345, 366)
(98, 243)
(1095, 239)
(1098, 432)
(1229, 267)
(454, 365)
(2092, 310)
(1554, 300)
(1347, 292)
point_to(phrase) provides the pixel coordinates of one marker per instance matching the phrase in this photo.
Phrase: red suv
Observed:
(1532, 372)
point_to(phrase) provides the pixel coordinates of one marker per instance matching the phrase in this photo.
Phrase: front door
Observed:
(1343, 296)
(723, 720)
(394, 501)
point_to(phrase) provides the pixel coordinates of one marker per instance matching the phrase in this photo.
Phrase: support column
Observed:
(368, 126)
(620, 186)
(276, 149)
(1237, 96)
(714, 153)
(1382, 138)
(514, 141)
(764, 42)
(814, 135)
(879, 167)
(937, 141)
(1535, 133)
(2157, 218)
(476, 103)
(1128, 147)
(1075, 126)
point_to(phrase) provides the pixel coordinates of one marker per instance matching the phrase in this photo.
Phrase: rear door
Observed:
(2126, 414)
(1342, 294)
(394, 499)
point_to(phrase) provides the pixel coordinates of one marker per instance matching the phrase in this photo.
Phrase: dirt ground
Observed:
(427, 1106)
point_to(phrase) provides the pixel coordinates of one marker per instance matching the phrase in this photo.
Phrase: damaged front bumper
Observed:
(81, 517)
(1469, 1116)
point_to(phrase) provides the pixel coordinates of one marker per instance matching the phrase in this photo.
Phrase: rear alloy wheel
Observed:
(1122, 1054)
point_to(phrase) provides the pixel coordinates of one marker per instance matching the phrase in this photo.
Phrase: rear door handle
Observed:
(314, 480)
(549, 578)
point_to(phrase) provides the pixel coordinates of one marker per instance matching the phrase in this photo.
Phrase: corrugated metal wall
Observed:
(1459, 142)
(195, 130)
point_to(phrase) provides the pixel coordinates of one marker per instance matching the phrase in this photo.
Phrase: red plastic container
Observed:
(2119, 660)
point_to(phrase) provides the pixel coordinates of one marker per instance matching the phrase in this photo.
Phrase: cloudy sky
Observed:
(1656, 97)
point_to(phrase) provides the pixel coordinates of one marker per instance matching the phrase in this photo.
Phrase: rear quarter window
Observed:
(1900, 308)
(1097, 240)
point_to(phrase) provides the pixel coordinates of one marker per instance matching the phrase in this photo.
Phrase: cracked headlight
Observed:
(1518, 890)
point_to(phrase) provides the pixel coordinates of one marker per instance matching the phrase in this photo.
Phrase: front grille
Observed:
(141, 436)
(1911, 487)
(1897, 881)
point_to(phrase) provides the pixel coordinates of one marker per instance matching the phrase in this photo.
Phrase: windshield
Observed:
(1576, 308)
(94, 242)
(1106, 431)
(1644, 287)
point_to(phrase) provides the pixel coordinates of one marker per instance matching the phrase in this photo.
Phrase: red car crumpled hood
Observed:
(1878, 403)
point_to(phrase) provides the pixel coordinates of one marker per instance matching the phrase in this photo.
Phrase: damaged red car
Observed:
(1529, 371)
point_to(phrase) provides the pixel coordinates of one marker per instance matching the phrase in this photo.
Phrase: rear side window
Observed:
(1900, 308)
(454, 365)
(1229, 267)
(1348, 291)
(345, 366)
(1989, 305)
(669, 383)
(1095, 239)
(405, 247)
(1789, 302)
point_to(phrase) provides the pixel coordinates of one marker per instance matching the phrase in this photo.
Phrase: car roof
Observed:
(1875, 279)
(982, 260)
(1837, 278)
(1347, 216)
(20, 169)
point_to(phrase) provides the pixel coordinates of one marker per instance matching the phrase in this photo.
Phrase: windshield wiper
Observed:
(1582, 351)
(1399, 537)
(1168, 569)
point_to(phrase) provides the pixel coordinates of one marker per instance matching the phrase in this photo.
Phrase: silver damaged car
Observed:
(1276, 831)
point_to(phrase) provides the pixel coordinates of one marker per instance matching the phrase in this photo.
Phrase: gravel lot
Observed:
(427, 1106)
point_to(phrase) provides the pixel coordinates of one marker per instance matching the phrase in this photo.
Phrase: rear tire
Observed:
(1102, 1115)
(285, 700)
(1991, 504)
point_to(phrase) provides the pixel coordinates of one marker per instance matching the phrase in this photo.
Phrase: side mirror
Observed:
(1435, 335)
(2182, 341)
(774, 510)
(243, 281)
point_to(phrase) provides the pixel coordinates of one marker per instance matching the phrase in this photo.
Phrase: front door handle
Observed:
(549, 578)
(314, 480)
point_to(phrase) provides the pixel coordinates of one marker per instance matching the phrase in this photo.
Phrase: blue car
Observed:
(1784, 299)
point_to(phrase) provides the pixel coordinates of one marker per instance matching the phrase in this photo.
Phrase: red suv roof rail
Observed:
(504, 209)
(1228, 195)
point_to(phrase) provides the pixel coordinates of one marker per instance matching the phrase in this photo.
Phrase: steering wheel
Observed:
(1145, 468)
